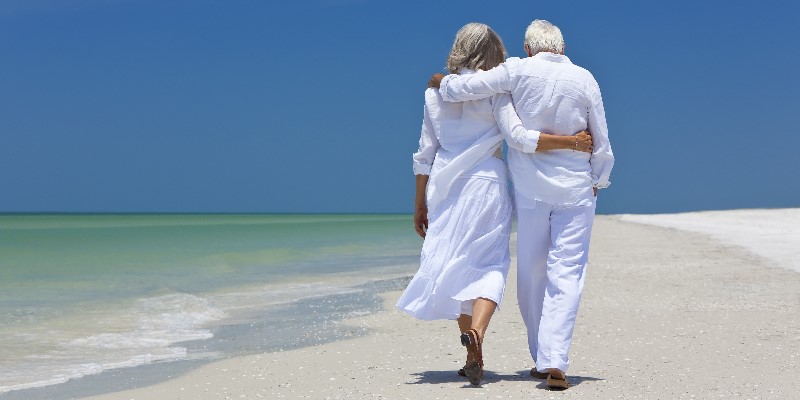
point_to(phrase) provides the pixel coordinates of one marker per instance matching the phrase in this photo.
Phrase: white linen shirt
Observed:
(450, 129)
(553, 95)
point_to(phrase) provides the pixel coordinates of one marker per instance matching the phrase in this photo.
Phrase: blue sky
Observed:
(315, 106)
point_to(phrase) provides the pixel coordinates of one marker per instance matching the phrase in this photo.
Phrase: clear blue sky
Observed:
(315, 106)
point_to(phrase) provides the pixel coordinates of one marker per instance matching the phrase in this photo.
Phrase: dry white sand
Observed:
(773, 234)
(666, 314)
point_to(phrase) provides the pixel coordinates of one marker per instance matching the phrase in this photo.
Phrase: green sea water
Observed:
(112, 291)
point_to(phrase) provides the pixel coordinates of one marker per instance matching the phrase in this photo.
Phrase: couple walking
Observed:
(543, 106)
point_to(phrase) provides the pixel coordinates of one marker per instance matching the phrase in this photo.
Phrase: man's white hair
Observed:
(544, 36)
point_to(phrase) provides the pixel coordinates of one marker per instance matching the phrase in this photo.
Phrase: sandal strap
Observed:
(478, 347)
(471, 338)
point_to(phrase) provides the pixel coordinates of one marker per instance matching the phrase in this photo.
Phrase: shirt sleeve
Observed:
(428, 144)
(479, 85)
(602, 159)
(511, 126)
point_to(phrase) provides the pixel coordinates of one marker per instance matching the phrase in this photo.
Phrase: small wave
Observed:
(141, 334)
(105, 336)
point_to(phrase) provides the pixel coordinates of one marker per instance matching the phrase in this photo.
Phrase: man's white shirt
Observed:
(550, 95)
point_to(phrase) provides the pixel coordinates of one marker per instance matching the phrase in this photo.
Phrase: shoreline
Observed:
(106, 292)
(665, 314)
(236, 340)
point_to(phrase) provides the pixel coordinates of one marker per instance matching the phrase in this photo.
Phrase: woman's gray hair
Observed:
(544, 36)
(476, 47)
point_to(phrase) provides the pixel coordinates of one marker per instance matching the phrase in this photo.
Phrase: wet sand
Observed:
(666, 314)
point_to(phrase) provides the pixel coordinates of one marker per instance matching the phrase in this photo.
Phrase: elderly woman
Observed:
(462, 206)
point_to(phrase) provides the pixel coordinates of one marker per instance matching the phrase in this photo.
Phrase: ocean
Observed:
(84, 294)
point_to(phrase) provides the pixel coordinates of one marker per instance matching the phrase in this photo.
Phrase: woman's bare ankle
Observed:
(480, 333)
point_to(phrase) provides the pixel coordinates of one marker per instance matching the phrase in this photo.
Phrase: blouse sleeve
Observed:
(428, 145)
(510, 125)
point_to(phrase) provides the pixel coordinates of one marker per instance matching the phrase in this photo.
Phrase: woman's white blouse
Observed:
(452, 129)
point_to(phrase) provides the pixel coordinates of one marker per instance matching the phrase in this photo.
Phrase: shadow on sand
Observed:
(573, 380)
(450, 376)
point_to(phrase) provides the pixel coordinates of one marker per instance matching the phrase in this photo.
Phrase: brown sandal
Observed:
(473, 370)
(557, 383)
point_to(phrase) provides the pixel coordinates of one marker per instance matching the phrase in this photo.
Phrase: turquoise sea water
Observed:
(81, 294)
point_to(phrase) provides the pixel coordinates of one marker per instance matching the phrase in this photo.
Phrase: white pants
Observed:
(552, 251)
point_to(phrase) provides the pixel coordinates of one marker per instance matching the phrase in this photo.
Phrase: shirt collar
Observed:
(552, 57)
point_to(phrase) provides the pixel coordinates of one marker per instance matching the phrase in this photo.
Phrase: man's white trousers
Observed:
(552, 251)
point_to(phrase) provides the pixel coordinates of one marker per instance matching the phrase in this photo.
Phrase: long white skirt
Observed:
(465, 254)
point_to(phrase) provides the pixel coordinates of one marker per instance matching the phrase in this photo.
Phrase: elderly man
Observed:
(555, 191)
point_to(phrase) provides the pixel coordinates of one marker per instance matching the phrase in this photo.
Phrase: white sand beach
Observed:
(773, 234)
(696, 309)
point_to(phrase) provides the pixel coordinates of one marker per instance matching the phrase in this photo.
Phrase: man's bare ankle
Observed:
(557, 373)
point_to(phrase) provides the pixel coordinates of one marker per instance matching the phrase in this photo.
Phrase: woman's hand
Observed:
(583, 142)
(421, 219)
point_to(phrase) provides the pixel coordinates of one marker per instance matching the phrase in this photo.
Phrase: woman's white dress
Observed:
(465, 254)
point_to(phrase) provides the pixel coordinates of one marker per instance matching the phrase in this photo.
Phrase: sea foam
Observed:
(142, 333)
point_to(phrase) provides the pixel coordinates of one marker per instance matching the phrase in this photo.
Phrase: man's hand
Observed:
(583, 142)
(435, 81)
(421, 220)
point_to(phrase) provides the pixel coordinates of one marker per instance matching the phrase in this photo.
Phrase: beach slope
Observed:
(666, 314)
